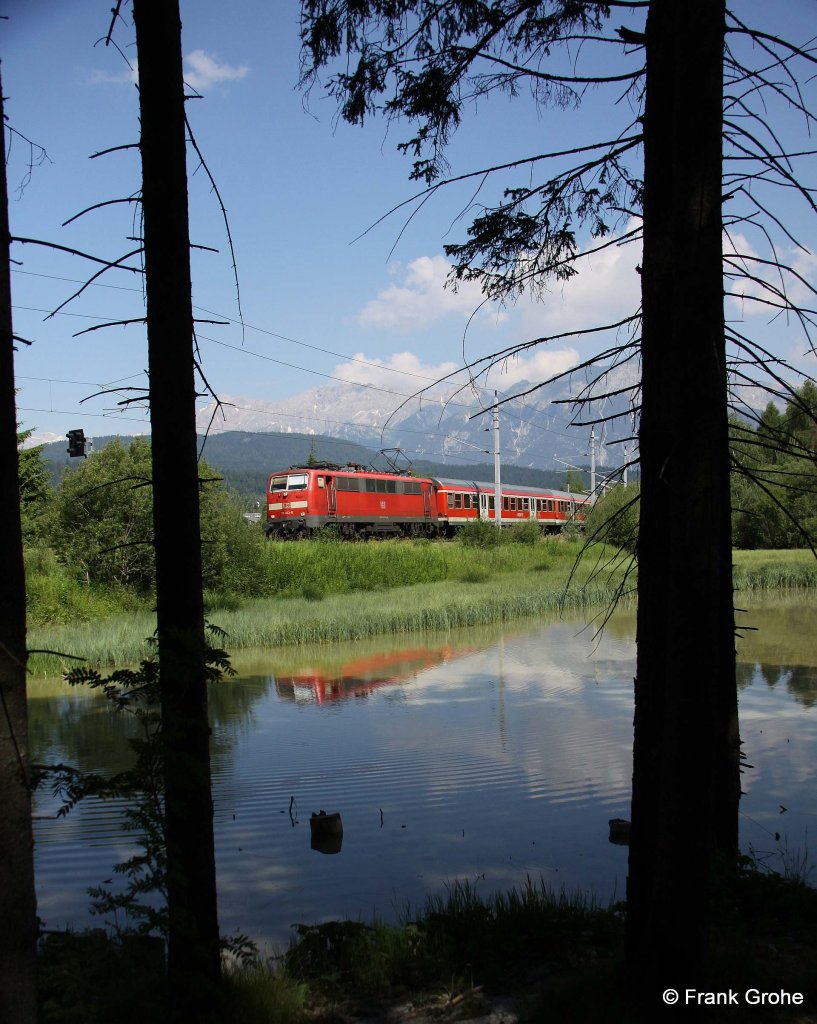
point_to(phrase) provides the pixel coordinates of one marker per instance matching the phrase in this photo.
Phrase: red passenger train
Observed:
(358, 502)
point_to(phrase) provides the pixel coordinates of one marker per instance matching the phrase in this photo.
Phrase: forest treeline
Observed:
(773, 482)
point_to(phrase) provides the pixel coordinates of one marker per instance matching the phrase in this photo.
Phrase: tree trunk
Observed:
(686, 747)
(193, 954)
(18, 905)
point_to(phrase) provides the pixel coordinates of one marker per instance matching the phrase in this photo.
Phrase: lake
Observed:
(489, 754)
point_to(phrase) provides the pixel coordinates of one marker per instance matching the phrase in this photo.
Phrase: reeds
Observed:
(332, 591)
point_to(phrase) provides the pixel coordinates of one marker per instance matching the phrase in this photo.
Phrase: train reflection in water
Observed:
(361, 676)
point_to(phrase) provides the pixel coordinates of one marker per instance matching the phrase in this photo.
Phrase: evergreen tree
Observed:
(424, 61)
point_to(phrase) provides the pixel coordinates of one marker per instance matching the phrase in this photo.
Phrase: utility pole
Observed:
(497, 486)
(593, 460)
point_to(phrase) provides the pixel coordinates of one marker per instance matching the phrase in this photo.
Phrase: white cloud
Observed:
(540, 364)
(402, 371)
(606, 289)
(391, 373)
(201, 71)
(128, 76)
(419, 297)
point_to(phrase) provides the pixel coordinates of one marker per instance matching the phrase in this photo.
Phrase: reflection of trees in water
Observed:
(800, 680)
(88, 734)
(802, 684)
(82, 731)
(745, 673)
(772, 674)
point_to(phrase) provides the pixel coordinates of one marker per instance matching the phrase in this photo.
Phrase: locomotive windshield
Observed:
(291, 482)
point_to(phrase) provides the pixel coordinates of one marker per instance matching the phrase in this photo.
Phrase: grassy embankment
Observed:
(328, 591)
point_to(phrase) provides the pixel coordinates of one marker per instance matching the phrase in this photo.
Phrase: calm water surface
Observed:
(488, 754)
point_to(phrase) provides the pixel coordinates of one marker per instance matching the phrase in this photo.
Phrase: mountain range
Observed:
(443, 424)
(437, 434)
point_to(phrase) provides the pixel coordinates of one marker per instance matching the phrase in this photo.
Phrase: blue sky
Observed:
(299, 189)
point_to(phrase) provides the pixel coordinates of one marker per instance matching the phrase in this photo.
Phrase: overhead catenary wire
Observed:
(354, 359)
(261, 330)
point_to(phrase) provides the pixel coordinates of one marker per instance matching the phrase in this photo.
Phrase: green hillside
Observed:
(246, 460)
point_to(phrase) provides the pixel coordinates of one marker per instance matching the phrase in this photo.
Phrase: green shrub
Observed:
(100, 524)
(526, 532)
(614, 518)
(481, 533)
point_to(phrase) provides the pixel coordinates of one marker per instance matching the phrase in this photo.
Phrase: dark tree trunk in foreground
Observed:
(193, 965)
(686, 755)
(18, 906)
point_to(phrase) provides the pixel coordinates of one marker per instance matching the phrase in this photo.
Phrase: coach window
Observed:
(457, 501)
(391, 486)
(505, 503)
(513, 504)
(490, 503)
(450, 501)
(466, 501)
(526, 504)
(550, 504)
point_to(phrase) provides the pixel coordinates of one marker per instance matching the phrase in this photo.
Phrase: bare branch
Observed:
(98, 206)
(112, 323)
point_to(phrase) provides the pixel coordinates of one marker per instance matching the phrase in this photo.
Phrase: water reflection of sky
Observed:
(487, 754)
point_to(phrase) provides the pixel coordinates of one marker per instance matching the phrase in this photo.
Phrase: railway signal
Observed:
(77, 444)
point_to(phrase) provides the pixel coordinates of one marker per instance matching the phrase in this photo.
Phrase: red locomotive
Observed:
(358, 502)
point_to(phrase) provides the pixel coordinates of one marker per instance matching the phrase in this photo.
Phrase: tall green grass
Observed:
(355, 616)
(329, 566)
(329, 591)
(458, 940)
(54, 595)
(774, 570)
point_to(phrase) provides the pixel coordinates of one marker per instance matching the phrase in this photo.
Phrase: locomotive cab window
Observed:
(297, 482)
(278, 483)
